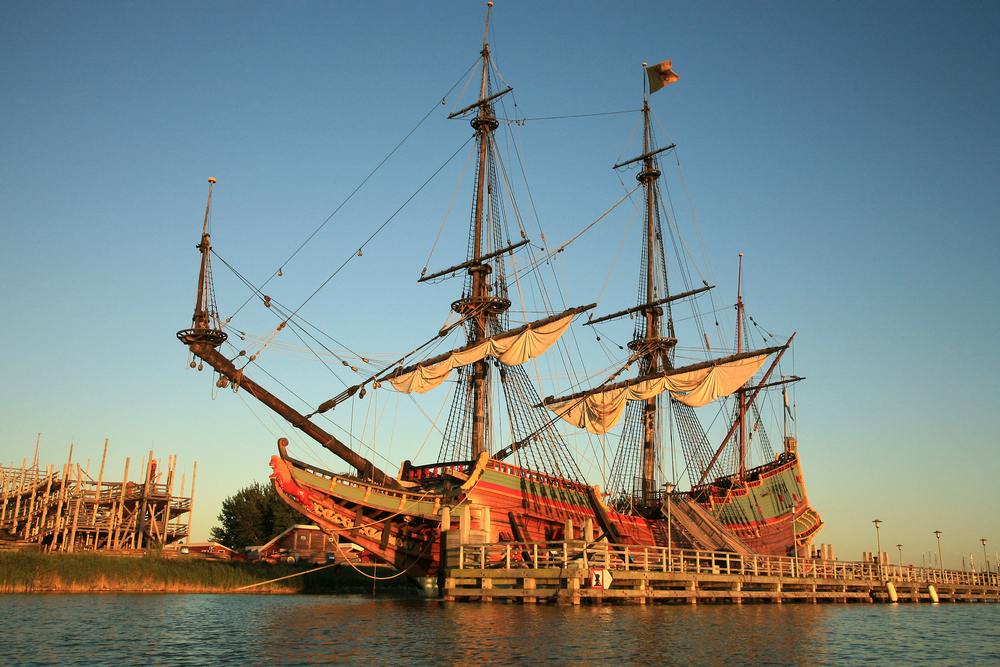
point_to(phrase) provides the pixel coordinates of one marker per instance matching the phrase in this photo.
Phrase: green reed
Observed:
(29, 571)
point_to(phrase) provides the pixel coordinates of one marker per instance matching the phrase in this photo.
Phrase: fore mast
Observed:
(205, 337)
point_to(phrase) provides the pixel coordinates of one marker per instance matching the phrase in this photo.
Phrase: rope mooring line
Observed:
(297, 574)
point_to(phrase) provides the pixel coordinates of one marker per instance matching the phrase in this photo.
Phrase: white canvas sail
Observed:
(599, 412)
(510, 350)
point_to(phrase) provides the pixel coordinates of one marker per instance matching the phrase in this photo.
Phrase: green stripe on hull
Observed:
(368, 494)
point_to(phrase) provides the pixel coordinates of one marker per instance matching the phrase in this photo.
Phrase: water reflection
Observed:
(114, 629)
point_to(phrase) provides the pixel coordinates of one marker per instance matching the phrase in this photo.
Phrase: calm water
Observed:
(112, 629)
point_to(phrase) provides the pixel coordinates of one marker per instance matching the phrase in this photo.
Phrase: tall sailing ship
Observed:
(504, 471)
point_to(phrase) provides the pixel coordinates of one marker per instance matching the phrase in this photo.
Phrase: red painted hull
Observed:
(507, 503)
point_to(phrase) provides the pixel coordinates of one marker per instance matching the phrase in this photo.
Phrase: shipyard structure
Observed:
(70, 508)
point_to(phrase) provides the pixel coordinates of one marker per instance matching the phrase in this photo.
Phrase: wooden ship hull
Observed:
(498, 502)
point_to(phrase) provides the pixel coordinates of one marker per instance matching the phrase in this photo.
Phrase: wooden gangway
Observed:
(576, 571)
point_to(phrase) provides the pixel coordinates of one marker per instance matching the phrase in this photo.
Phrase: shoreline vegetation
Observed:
(26, 571)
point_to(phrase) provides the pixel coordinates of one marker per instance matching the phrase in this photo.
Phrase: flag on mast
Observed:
(660, 75)
(788, 408)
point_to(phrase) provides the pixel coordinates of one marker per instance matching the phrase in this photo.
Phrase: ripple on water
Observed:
(208, 629)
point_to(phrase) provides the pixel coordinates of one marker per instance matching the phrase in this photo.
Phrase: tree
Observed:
(253, 517)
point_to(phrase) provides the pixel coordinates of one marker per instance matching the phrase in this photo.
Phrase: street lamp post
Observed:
(878, 541)
(940, 559)
(986, 558)
(900, 547)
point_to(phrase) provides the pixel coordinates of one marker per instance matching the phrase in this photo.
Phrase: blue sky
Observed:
(849, 150)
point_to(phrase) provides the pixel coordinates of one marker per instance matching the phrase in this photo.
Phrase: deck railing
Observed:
(541, 555)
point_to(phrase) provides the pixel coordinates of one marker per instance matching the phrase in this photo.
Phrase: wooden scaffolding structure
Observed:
(68, 510)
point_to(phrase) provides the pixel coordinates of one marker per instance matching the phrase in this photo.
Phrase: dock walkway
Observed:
(574, 571)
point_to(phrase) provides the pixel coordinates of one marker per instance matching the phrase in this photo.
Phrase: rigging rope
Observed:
(380, 228)
(297, 574)
(367, 178)
(582, 115)
(448, 212)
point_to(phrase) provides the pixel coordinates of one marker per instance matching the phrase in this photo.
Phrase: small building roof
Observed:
(198, 545)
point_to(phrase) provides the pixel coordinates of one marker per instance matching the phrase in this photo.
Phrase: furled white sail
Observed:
(510, 350)
(599, 412)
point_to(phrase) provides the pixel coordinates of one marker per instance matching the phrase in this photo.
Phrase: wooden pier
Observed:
(575, 572)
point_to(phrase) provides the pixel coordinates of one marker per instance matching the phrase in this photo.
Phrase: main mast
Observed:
(479, 305)
(649, 344)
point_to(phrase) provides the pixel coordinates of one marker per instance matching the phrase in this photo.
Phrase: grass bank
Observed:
(31, 572)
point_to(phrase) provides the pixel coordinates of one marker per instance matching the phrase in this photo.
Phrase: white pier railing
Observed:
(579, 554)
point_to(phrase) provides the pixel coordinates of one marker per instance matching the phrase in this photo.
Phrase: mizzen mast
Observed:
(741, 394)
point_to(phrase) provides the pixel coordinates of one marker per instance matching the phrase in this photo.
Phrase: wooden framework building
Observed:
(68, 510)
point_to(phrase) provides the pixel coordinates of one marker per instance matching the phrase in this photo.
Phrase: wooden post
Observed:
(194, 473)
(465, 524)
(76, 512)
(61, 522)
(31, 504)
(486, 583)
(528, 583)
(6, 480)
(171, 461)
(120, 508)
(97, 498)
(140, 524)
(45, 507)
(573, 584)
(20, 492)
